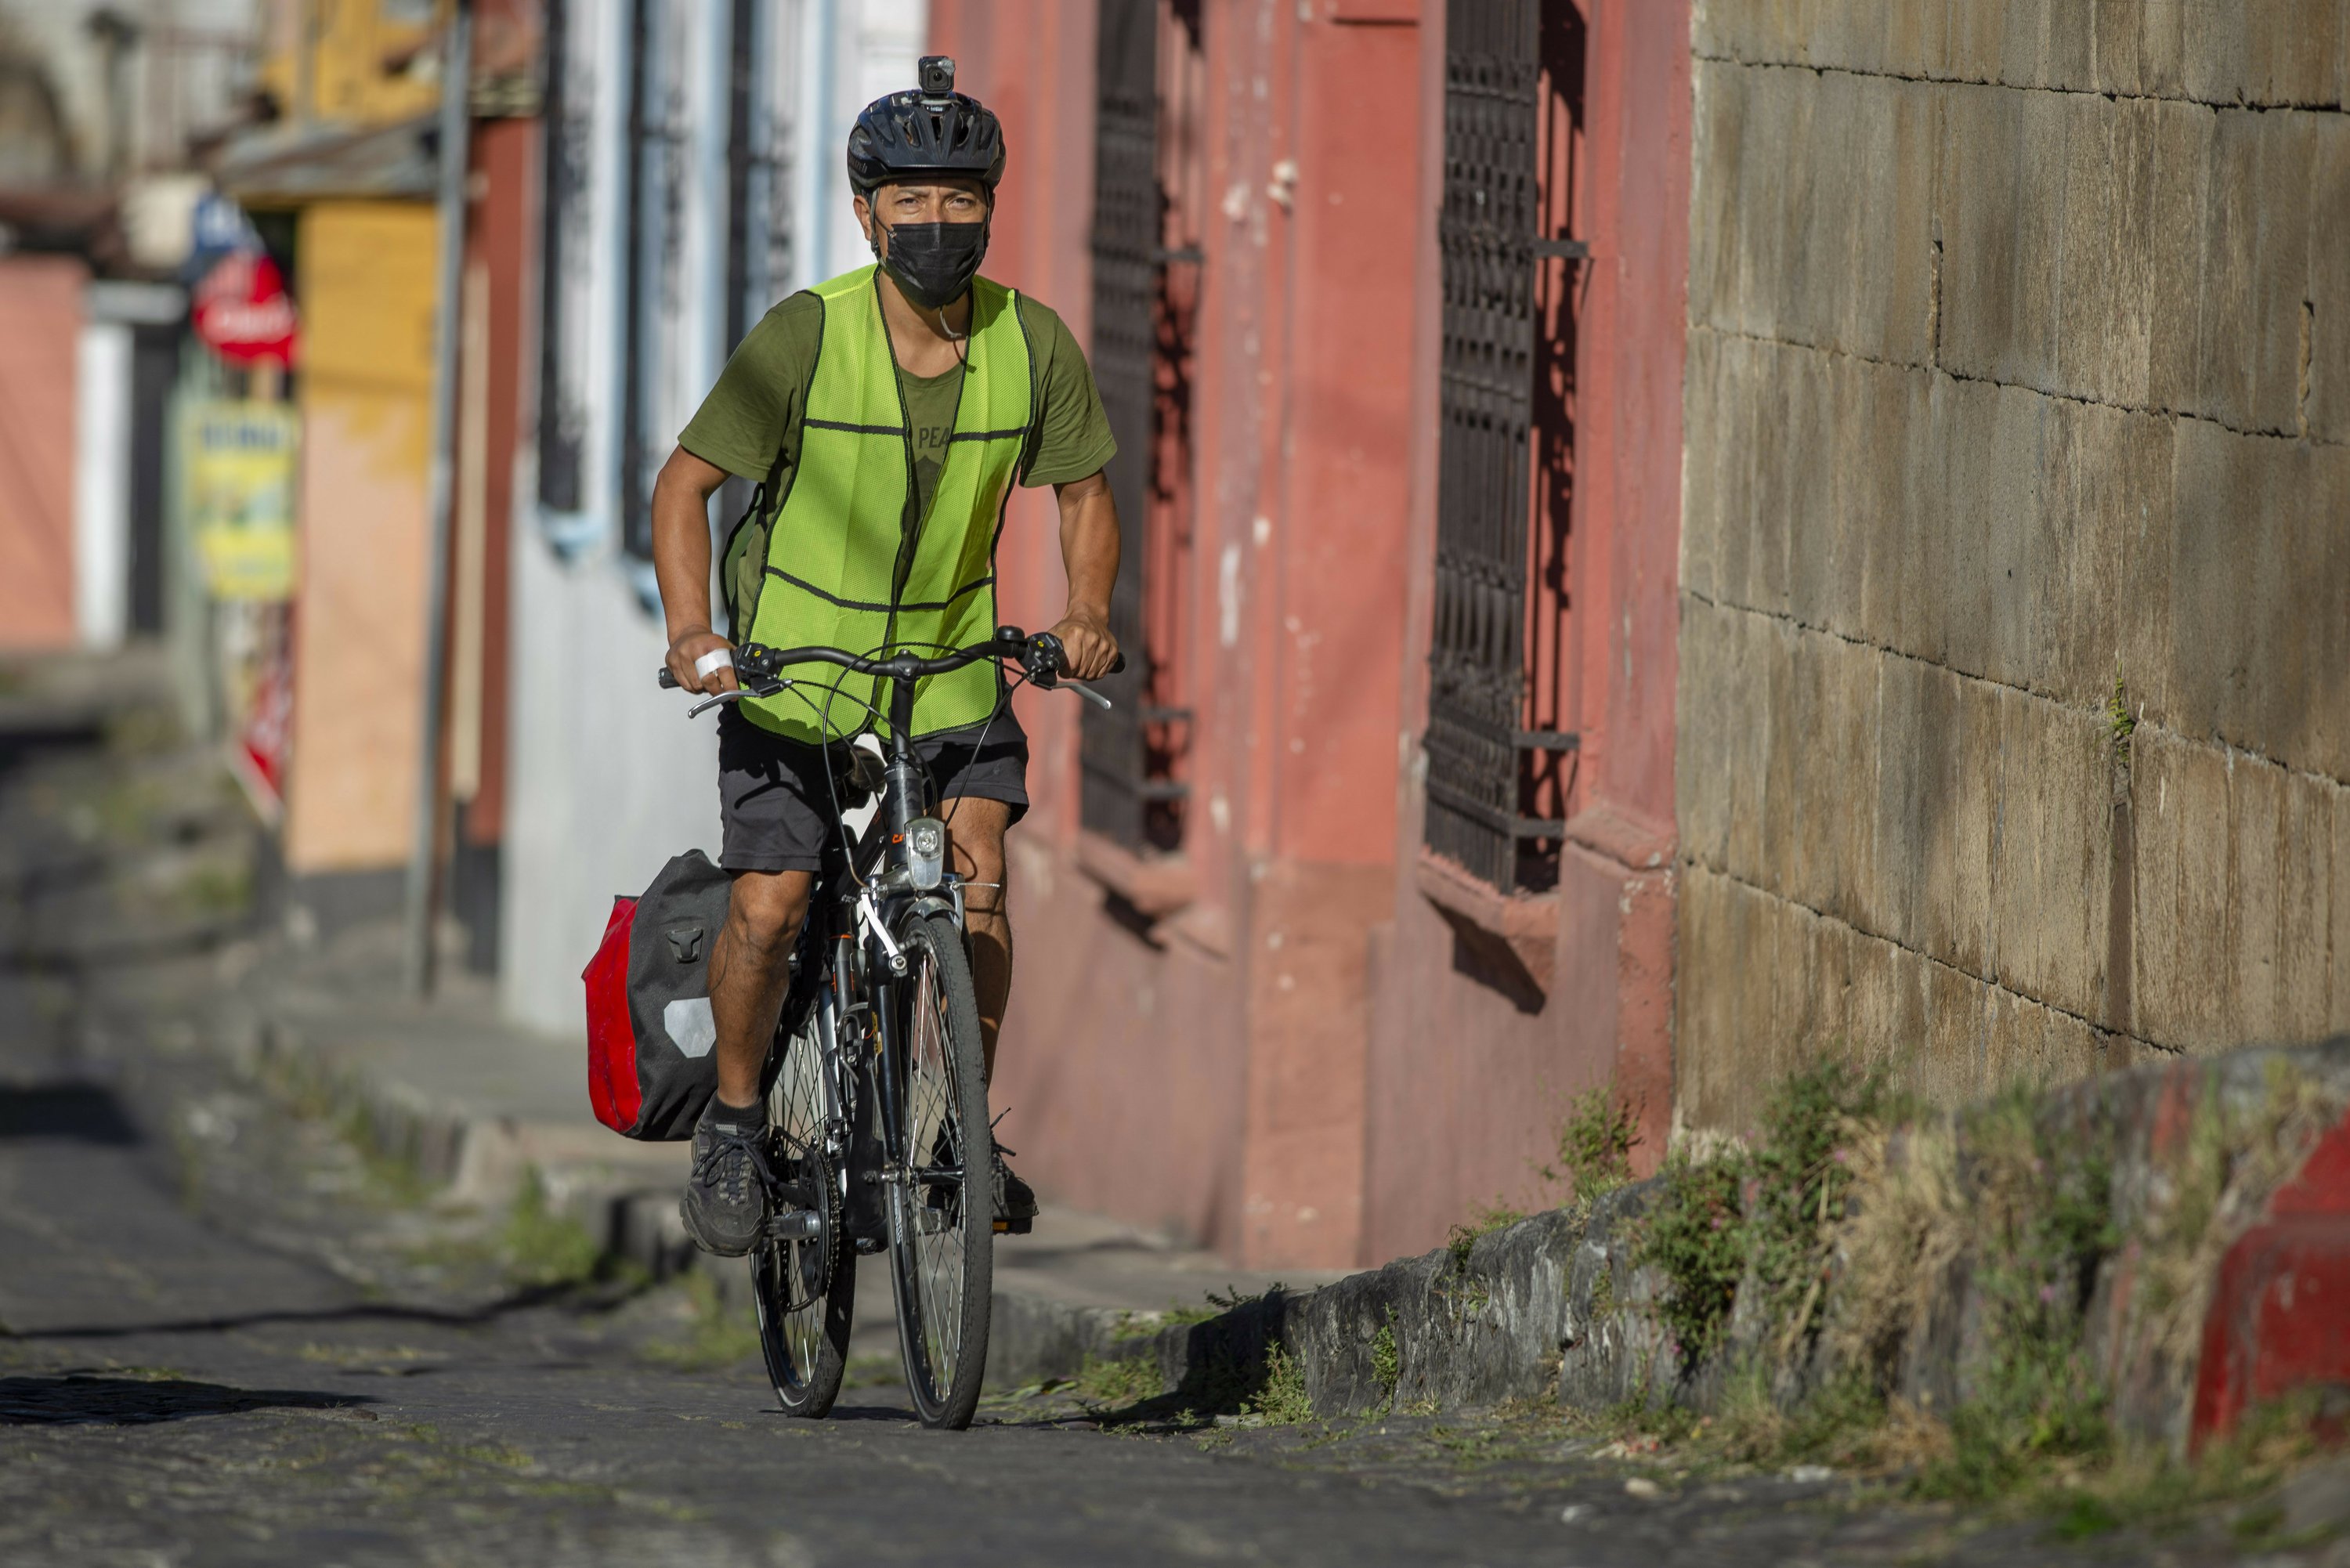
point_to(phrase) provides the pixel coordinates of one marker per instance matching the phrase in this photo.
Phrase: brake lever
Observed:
(756, 688)
(1087, 692)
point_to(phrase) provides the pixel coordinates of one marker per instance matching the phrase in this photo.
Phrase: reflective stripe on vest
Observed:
(848, 564)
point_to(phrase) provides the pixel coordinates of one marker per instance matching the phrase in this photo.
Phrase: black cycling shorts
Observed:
(776, 805)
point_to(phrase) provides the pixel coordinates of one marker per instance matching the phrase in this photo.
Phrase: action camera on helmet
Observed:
(925, 133)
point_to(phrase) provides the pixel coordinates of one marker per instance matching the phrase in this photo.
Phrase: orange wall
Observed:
(40, 323)
(367, 293)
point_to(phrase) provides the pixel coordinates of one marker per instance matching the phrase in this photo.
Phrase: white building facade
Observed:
(694, 178)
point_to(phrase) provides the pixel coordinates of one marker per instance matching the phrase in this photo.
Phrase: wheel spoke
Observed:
(799, 1287)
(933, 1131)
(942, 1219)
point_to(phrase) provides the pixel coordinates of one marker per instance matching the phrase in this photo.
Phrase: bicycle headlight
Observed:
(926, 852)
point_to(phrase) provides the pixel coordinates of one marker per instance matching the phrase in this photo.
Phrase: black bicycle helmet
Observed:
(930, 129)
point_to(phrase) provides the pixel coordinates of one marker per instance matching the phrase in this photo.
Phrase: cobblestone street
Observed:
(242, 1352)
(230, 1337)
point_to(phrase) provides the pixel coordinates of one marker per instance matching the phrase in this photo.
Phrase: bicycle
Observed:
(877, 1089)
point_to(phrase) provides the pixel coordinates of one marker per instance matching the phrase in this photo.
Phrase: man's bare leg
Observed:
(725, 1204)
(976, 830)
(750, 966)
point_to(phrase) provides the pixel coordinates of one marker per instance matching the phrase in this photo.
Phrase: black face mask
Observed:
(934, 263)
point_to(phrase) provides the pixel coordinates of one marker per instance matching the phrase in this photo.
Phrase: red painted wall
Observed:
(1125, 1057)
(499, 236)
(1469, 1081)
(1286, 1059)
(40, 322)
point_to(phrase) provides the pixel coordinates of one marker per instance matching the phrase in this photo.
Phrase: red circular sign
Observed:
(243, 312)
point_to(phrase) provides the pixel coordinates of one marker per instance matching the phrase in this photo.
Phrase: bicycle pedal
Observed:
(1015, 1227)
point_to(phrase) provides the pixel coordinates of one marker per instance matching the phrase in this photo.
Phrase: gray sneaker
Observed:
(1015, 1200)
(725, 1202)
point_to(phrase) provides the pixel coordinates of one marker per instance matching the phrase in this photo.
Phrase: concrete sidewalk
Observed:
(477, 1105)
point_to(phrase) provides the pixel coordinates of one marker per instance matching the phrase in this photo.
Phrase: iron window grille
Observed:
(655, 84)
(655, 164)
(1504, 370)
(760, 136)
(1140, 350)
(566, 236)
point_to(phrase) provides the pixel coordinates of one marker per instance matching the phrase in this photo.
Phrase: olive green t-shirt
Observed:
(754, 413)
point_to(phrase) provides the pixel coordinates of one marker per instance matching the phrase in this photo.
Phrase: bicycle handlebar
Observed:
(755, 662)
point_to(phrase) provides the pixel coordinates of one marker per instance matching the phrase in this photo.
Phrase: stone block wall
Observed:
(2018, 378)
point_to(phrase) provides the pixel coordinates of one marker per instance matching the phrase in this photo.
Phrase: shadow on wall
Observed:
(1480, 955)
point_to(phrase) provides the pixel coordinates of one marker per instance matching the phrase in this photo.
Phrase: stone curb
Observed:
(1551, 1307)
(484, 1159)
(1457, 1327)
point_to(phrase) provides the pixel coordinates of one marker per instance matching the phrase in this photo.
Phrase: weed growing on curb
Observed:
(1696, 1237)
(1484, 1223)
(2013, 1207)
(1595, 1148)
(1118, 1382)
(1469, 1297)
(1770, 1208)
(1231, 1297)
(2043, 1214)
(714, 1337)
(1282, 1401)
(2151, 1490)
(1798, 1176)
(1387, 1360)
(1134, 1325)
(541, 1247)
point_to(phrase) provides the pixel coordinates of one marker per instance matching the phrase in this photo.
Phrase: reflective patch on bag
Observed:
(690, 1026)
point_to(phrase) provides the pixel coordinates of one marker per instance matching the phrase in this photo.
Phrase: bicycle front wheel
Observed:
(942, 1204)
(806, 1287)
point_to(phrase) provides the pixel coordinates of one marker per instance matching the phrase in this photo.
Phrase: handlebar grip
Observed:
(667, 681)
(1117, 664)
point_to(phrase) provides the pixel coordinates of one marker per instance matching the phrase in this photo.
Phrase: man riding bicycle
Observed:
(884, 416)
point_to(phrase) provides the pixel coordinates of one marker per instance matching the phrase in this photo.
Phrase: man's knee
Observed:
(978, 845)
(976, 838)
(764, 911)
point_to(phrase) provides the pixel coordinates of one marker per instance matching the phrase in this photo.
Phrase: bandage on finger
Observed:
(716, 659)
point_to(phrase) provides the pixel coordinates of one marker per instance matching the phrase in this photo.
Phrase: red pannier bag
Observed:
(649, 1034)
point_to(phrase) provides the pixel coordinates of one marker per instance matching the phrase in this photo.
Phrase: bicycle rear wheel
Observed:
(806, 1288)
(942, 1209)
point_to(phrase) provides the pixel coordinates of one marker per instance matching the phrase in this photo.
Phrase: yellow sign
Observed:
(239, 480)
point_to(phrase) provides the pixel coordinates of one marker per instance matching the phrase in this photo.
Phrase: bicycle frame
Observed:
(887, 1137)
(872, 886)
(859, 899)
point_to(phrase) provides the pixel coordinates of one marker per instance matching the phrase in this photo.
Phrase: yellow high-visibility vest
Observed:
(848, 562)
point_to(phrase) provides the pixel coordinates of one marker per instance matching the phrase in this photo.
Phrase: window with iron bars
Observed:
(1500, 756)
(762, 38)
(565, 234)
(1145, 294)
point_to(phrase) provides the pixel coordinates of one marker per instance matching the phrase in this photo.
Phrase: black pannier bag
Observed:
(651, 1065)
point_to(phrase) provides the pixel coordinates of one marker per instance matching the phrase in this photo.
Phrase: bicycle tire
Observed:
(942, 1229)
(806, 1291)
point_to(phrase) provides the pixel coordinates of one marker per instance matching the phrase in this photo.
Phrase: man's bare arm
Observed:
(1089, 550)
(681, 565)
